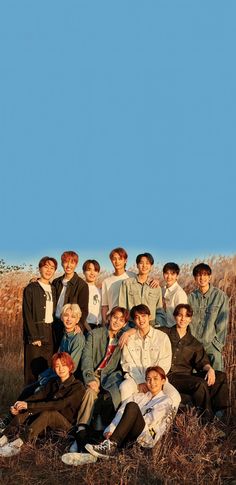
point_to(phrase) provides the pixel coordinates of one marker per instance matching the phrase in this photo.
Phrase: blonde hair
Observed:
(74, 307)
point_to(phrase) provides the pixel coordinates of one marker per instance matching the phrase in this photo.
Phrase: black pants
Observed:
(130, 426)
(38, 423)
(207, 398)
(37, 359)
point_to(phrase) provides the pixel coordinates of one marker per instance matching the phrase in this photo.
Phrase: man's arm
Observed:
(160, 320)
(165, 354)
(123, 302)
(133, 368)
(83, 299)
(30, 328)
(221, 323)
(87, 365)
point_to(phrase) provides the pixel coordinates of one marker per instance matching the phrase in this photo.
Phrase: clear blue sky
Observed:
(117, 127)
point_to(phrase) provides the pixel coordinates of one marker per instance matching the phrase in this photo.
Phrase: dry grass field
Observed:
(188, 454)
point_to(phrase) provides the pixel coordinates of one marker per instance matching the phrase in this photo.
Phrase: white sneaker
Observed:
(3, 441)
(17, 443)
(74, 447)
(78, 458)
(106, 449)
(8, 450)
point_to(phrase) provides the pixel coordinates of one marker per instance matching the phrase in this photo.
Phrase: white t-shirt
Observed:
(172, 296)
(94, 307)
(111, 288)
(61, 298)
(49, 302)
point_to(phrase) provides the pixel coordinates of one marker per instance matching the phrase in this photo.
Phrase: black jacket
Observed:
(65, 397)
(34, 303)
(76, 292)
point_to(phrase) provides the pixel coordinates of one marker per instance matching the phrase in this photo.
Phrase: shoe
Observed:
(78, 458)
(74, 447)
(106, 449)
(3, 441)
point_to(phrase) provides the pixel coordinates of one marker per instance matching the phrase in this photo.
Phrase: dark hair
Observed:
(124, 312)
(171, 267)
(66, 358)
(91, 261)
(145, 255)
(143, 309)
(67, 255)
(121, 251)
(155, 368)
(200, 268)
(187, 307)
(45, 259)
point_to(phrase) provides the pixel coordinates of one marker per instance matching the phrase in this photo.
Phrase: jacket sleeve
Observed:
(87, 360)
(160, 320)
(30, 329)
(77, 349)
(83, 299)
(165, 355)
(200, 358)
(221, 324)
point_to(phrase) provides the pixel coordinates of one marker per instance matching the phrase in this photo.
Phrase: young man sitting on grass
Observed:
(102, 373)
(55, 406)
(145, 348)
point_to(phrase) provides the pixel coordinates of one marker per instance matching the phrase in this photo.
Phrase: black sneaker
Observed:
(106, 449)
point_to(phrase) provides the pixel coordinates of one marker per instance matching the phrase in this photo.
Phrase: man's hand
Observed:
(37, 342)
(14, 411)
(154, 283)
(77, 329)
(94, 385)
(123, 340)
(210, 377)
(107, 435)
(19, 405)
(143, 387)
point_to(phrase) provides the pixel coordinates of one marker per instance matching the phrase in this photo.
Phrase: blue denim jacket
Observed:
(209, 322)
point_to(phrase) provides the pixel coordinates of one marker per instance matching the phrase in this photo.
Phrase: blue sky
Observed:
(117, 128)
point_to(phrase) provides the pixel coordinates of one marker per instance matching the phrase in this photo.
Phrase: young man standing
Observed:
(111, 285)
(210, 315)
(137, 290)
(172, 293)
(91, 269)
(39, 301)
(147, 347)
(70, 288)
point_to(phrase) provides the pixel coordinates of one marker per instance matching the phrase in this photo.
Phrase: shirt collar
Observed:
(172, 287)
(149, 334)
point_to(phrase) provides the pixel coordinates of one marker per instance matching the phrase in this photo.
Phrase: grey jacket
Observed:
(93, 354)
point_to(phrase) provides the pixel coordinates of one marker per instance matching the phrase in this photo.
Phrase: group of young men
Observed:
(115, 334)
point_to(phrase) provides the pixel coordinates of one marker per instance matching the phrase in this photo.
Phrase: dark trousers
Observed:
(38, 423)
(37, 359)
(207, 398)
(130, 426)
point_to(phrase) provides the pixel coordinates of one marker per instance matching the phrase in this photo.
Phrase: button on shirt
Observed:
(187, 352)
(140, 353)
(132, 293)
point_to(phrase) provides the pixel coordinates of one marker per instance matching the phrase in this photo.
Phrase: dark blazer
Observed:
(65, 397)
(76, 292)
(34, 302)
(93, 354)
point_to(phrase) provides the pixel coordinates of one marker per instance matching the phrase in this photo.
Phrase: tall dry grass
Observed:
(188, 454)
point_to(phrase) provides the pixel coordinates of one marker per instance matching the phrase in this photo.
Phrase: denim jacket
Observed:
(209, 322)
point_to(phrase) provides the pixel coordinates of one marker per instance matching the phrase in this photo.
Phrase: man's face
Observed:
(144, 266)
(154, 382)
(202, 279)
(182, 319)
(117, 322)
(70, 320)
(62, 370)
(47, 271)
(90, 273)
(142, 321)
(69, 267)
(170, 277)
(118, 262)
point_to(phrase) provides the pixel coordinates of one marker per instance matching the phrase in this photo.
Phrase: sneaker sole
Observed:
(93, 452)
